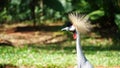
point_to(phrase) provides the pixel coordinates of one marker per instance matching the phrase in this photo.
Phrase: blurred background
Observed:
(31, 36)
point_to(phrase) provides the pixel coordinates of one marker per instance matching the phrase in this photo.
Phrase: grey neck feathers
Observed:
(80, 56)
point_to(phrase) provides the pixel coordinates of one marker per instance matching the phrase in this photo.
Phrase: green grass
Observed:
(60, 55)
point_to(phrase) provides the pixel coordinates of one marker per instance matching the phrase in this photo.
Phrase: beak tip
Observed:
(64, 29)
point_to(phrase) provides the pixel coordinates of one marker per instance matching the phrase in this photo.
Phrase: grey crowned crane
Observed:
(80, 25)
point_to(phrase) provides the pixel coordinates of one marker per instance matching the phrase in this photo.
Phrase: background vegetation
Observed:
(106, 13)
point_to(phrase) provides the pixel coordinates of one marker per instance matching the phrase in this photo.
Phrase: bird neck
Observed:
(80, 56)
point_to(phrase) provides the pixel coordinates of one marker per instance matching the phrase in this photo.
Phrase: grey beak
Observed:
(65, 29)
(71, 28)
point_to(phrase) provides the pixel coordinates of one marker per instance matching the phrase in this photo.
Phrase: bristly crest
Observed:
(80, 22)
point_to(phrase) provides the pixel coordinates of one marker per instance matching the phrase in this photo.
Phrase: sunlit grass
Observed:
(42, 56)
(60, 55)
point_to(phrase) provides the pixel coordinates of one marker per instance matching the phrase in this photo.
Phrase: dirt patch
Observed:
(20, 35)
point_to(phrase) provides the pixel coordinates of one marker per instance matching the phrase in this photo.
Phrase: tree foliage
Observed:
(104, 11)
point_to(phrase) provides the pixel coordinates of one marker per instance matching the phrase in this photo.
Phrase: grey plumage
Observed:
(82, 25)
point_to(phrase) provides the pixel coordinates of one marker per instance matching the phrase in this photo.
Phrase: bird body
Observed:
(80, 25)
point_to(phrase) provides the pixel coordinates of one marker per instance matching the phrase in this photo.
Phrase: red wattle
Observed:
(74, 36)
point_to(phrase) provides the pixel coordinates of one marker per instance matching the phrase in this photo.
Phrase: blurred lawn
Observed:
(61, 55)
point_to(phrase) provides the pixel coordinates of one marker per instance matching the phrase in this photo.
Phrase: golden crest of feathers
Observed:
(80, 22)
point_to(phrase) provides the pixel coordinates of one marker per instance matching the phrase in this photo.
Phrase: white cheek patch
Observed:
(72, 28)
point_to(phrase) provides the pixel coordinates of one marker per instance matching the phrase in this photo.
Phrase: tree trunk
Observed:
(33, 3)
(41, 7)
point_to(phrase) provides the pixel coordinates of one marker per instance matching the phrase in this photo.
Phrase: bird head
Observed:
(70, 28)
(80, 23)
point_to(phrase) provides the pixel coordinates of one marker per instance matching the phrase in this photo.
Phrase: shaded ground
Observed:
(27, 34)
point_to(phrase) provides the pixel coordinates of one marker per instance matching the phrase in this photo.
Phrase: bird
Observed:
(80, 25)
